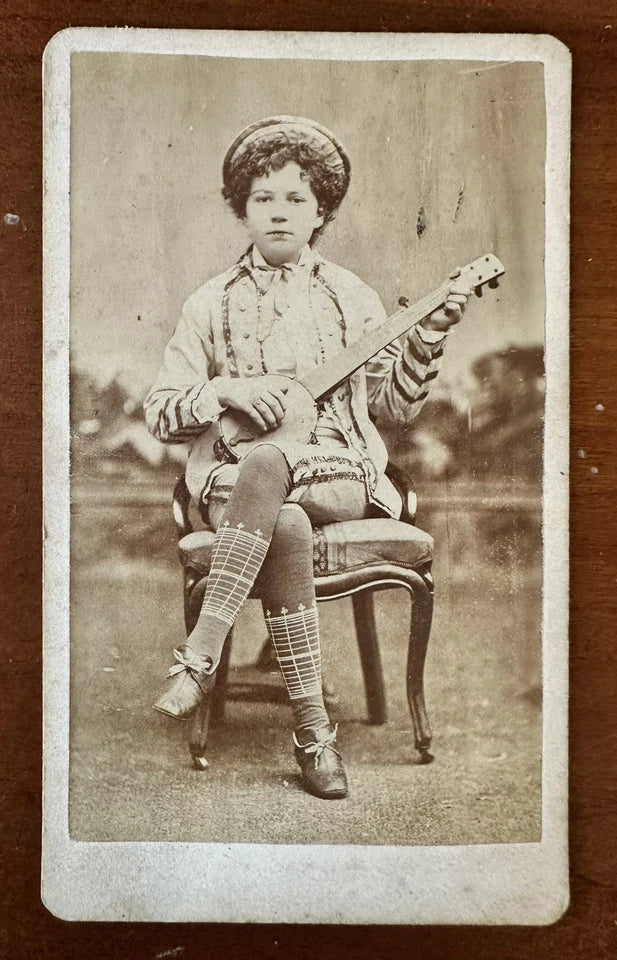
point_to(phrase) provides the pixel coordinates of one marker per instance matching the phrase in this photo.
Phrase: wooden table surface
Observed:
(589, 929)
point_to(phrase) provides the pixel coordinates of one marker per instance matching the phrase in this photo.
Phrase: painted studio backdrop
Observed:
(447, 162)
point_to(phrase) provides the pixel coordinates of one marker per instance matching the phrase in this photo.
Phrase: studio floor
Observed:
(130, 773)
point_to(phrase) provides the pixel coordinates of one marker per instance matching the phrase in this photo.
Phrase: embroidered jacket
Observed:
(222, 333)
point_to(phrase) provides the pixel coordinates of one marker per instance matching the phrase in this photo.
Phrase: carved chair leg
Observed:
(420, 629)
(212, 708)
(370, 657)
(211, 711)
(194, 590)
(198, 737)
(219, 694)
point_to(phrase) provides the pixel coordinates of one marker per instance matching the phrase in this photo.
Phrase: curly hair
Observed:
(328, 183)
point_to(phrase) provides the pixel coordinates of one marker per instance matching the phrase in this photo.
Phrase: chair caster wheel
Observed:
(200, 763)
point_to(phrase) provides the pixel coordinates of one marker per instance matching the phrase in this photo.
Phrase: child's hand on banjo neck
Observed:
(452, 311)
(260, 398)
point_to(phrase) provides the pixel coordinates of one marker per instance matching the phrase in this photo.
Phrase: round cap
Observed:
(289, 130)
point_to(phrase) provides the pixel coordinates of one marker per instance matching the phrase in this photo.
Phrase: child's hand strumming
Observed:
(261, 398)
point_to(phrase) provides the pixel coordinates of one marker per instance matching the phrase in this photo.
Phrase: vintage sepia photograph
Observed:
(302, 557)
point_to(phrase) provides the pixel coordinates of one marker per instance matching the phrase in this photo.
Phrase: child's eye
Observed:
(297, 200)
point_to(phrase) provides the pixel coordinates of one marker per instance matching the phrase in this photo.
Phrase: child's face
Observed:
(281, 214)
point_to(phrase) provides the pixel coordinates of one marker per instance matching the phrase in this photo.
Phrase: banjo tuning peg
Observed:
(478, 291)
(493, 283)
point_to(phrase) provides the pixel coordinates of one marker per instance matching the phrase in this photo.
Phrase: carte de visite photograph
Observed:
(306, 510)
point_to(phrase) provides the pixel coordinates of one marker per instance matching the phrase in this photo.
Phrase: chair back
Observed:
(403, 487)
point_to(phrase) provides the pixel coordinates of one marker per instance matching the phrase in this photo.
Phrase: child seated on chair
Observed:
(283, 309)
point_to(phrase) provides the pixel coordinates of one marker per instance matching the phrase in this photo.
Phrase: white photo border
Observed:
(481, 884)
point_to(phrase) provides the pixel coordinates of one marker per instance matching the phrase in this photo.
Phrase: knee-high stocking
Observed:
(240, 546)
(288, 600)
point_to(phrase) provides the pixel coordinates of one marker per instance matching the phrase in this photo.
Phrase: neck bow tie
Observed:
(272, 281)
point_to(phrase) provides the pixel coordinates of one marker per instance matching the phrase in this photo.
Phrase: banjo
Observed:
(234, 434)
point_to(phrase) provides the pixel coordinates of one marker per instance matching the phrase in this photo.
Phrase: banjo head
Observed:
(240, 434)
(236, 434)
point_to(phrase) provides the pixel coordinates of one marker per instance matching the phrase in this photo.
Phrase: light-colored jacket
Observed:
(217, 336)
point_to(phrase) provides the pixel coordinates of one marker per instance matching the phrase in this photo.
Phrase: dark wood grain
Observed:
(590, 927)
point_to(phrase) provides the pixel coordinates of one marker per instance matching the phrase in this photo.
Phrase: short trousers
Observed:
(328, 481)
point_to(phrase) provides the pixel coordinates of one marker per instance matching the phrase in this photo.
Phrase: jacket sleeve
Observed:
(399, 377)
(183, 398)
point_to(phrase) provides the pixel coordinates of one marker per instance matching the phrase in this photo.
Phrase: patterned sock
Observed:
(295, 637)
(237, 557)
(240, 546)
(294, 628)
(296, 640)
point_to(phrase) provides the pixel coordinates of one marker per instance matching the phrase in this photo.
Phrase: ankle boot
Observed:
(192, 677)
(323, 774)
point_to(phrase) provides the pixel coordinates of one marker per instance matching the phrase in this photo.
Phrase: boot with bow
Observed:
(191, 678)
(321, 765)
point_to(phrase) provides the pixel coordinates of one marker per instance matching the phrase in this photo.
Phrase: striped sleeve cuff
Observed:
(183, 415)
(205, 406)
(430, 336)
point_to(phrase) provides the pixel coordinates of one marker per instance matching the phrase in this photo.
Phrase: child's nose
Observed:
(278, 214)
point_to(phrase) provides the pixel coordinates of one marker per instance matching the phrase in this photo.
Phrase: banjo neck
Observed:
(234, 433)
(328, 376)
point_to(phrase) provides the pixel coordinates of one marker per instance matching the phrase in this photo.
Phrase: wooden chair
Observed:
(351, 559)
